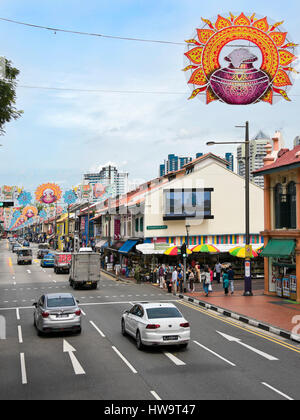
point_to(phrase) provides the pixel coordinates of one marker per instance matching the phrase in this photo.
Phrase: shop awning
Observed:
(116, 246)
(127, 247)
(279, 248)
(101, 243)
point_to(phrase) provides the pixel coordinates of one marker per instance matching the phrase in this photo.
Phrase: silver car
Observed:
(57, 312)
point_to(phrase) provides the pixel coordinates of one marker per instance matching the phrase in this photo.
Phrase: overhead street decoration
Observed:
(48, 193)
(258, 60)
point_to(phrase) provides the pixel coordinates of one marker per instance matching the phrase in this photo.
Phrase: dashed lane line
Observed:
(278, 392)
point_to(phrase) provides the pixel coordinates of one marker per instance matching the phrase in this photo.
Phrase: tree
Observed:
(8, 96)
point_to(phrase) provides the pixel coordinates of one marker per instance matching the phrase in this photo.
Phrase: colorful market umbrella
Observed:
(258, 250)
(205, 248)
(175, 250)
(239, 251)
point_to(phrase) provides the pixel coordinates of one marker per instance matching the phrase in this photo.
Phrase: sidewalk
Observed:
(270, 313)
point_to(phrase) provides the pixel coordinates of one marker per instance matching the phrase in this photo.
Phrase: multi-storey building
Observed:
(256, 158)
(281, 172)
(109, 175)
(173, 163)
(230, 159)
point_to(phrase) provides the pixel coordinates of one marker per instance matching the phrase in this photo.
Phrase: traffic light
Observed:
(183, 250)
(6, 203)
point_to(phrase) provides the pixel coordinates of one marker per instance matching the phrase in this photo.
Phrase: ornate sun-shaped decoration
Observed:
(48, 193)
(241, 83)
(30, 211)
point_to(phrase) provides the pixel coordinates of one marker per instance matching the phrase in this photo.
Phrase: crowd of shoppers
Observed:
(172, 277)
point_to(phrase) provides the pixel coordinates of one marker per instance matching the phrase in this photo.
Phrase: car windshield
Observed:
(60, 301)
(154, 313)
(25, 253)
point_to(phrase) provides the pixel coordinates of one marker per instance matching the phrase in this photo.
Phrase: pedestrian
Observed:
(180, 280)
(161, 274)
(218, 269)
(168, 275)
(231, 279)
(198, 273)
(192, 281)
(174, 279)
(206, 280)
(211, 273)
(225, 281)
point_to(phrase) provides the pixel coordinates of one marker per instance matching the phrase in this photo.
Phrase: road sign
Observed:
(6, 203)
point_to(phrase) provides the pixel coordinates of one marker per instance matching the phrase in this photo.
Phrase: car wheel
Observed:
(40, 333)
(139, 343)
(183, 346)
(123, 329)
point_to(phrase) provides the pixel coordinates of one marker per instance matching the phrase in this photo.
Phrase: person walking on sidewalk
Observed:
(225, 281)
(218, 269)
(231, 279)
(161, 273)
(168, 276)
(211, 273)
(192, 281)
(174, 279)
(206, 280)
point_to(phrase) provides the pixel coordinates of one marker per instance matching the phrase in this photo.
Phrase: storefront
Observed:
(282, 267)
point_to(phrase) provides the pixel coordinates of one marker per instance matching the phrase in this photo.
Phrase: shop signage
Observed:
(157, 227)
(162, 246)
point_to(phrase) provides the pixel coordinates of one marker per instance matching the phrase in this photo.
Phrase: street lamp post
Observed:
(248, 249)
(185, 257)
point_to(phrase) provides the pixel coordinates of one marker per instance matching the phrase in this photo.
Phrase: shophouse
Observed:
(281, 172)
(204, 202)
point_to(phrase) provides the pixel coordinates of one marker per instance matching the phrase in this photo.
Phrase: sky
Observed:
(63, 134)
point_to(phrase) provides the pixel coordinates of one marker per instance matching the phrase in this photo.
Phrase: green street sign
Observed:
(157, 227)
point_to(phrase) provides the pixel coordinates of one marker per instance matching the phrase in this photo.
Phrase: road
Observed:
(225, 359)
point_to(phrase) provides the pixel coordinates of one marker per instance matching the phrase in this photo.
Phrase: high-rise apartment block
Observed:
(109, 175)
(230, 159)
(257, 154)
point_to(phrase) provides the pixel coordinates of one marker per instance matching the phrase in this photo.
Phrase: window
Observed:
(184, 203)
(292, 204)
(154, 313)
(136, 224)
(60, 302)
(141, 224)
(285, 206)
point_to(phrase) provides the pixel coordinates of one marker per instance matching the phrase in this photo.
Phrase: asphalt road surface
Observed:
(224, 360)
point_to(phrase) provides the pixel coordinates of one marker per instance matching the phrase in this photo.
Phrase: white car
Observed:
(154, 324)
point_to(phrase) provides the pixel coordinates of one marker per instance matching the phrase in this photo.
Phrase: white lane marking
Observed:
(278, 392)
(20, 334)
(237, 340)
(54, 281)
(215, 354)
(174, 359)
(124, 360)
(83, 313)
(155, 395)
(13, 308)
(18, 314)
(67, 348)
(97, 329)
(23, 369)
(28, 271)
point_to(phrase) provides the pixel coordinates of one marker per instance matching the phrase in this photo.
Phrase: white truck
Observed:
(85, 270)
